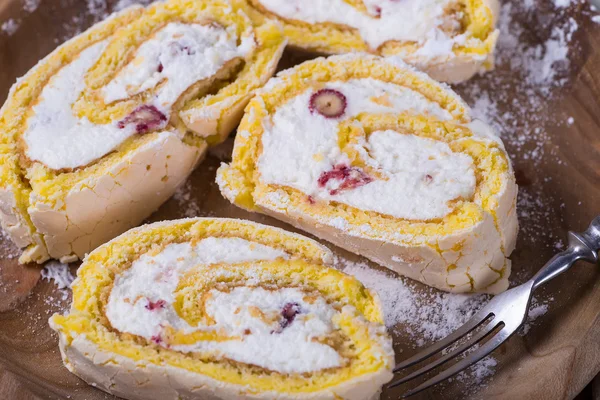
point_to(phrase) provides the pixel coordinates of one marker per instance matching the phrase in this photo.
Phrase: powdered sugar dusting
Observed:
(10, 26)
(31, 5)
(537, 309)
(187, 203)
(562, 3)
(7, 248)
(528, 70)
(530, 73)
(59, 273)
(477, 373)
(426, 315)
(533, 67)
(97, 7)
(422, 315)
(97, 10)
(122, 4)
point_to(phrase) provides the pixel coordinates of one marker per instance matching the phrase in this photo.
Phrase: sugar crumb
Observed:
(10, 26)
(59, 273)
(538, 308)
(187, 203)
(7, 248)
(122, 4)
(476, 374)
(31, 5)
(562, 3)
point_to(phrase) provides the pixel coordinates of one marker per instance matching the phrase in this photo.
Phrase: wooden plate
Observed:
(559, 191)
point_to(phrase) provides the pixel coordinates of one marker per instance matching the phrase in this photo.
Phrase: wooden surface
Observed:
(555, 360)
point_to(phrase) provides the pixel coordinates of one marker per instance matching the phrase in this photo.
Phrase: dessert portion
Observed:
(381, 160)
(102, 131)
(222, 309)
(449, 39)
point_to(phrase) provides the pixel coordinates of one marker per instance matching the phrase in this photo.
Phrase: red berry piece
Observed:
(349, 178)
(288, 314)
(328, 102)
(156, 339)
(145, 118)
(154, 305)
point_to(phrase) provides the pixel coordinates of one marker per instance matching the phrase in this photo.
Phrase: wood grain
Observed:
(555, 360)
(14, 388)
(17, 283)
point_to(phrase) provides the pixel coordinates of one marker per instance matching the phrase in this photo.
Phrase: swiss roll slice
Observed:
(449, 39)
(381, 160)
(100, 132)
(222, 309)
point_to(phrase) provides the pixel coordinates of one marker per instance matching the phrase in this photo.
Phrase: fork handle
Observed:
(582, 246)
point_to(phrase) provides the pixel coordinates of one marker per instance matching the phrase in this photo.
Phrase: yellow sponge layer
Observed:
(307, 268)
(477, 24)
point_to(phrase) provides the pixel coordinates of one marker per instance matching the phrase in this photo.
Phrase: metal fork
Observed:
(501, 317)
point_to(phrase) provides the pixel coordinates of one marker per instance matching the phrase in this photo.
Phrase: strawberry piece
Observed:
(156, 339)
(288, 313)
(153, 305)
(350, 177)
(145, 118)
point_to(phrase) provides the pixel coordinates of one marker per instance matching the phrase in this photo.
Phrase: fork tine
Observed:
(460, 349)
(466, 362)
(475, 321)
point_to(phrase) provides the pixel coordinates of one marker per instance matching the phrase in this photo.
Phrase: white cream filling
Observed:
(420, 175)
(290, 350)
(401, 20)
(152, 279)
(56, 137)
(178, 55)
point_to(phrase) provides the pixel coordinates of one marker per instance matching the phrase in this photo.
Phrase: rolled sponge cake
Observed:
(102, 131)
(381, 160)
(451, 40)
(222, 309)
